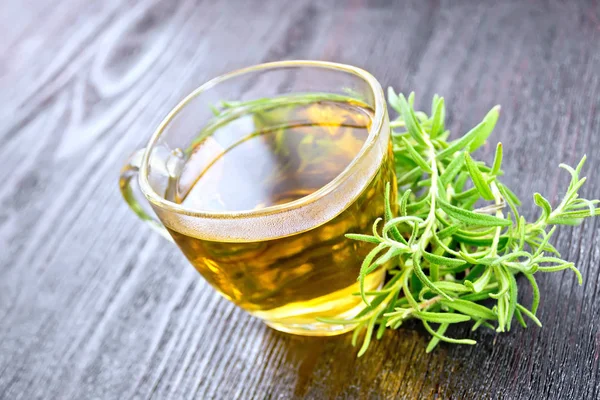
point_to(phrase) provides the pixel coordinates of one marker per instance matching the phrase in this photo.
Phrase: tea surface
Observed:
(272, 157)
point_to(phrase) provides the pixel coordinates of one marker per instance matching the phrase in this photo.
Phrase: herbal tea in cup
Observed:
(258, 176)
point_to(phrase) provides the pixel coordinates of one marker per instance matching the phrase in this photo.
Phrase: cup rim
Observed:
(374, 131)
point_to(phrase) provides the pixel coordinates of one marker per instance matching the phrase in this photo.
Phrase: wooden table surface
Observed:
(95, 306)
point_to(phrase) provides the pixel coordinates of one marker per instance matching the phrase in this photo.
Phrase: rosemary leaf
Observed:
(459, 263)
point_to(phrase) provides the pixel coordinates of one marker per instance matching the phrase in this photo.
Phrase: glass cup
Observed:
(287, 262)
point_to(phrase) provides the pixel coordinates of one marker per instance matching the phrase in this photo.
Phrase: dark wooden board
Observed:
(95, 306)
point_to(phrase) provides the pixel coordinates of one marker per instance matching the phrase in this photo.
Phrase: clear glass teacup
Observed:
(257, 176)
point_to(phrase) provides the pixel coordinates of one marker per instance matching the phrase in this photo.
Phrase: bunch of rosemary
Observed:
(454, 253)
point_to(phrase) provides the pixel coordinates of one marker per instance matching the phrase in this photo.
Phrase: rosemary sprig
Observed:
(451, 252)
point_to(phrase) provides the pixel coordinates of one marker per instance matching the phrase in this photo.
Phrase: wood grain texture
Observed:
(94, 306)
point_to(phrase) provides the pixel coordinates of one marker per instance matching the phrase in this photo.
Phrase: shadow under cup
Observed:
(258, 175)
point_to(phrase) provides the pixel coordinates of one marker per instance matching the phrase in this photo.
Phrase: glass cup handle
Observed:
(128, 173)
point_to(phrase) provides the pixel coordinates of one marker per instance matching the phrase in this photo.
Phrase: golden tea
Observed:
(271, 157)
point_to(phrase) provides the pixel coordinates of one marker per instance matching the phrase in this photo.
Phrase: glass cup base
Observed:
(316, 329)
(342, 305)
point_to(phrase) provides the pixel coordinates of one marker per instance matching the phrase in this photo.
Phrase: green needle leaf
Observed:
(411, 101)
(477, 135)
(556, 268)
(497, 160)
(392, 253)
(478, 179)
(436, 339)
(393, 100)
(470, 217)
(544, 204)
(445, 338)
(434, 101)
(509, 195)
(423, 278)
(512, 303)
(368, 336)
(441, 318)
(536, 292)
(437, 126)
(543, 244)
(440, 260)
(488, 124)
(414, 154)
(481, 282)
(412, 125)
(403, 202)
(529, 314)
(474, 310)
(363, 238)
(447, 232)
(453, 168)
(389, 215)
(449, 286)
(520, 318)
(366, 265)
(410, 176)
